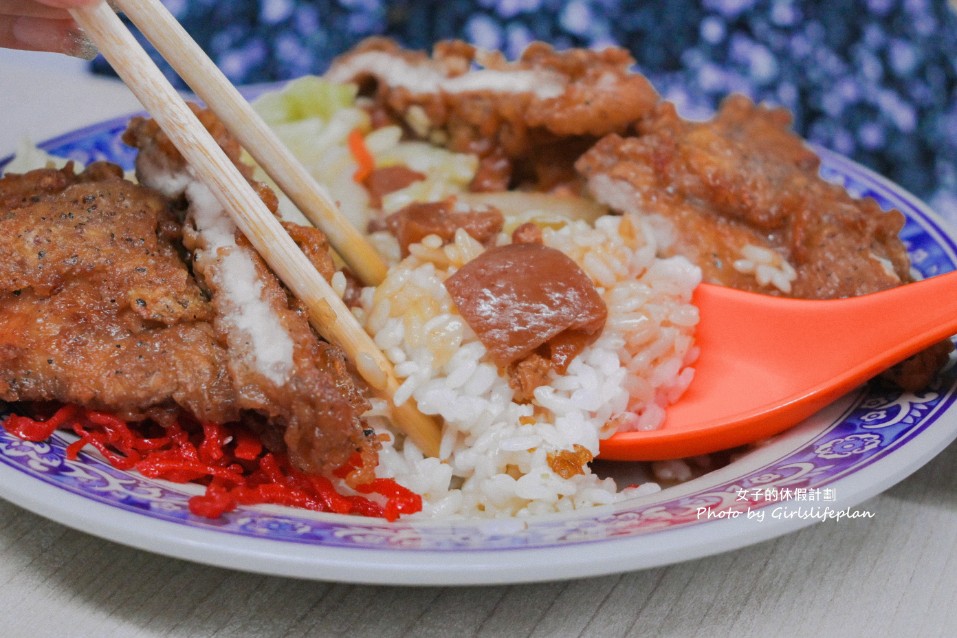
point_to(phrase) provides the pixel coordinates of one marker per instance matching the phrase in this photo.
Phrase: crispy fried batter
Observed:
(160, 154)
(505, 112)
(745, 178)
(96, 306)
(312, 399)
(742, 179)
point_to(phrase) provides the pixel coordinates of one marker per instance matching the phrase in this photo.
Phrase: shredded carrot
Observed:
(360, 152)
(229, 460)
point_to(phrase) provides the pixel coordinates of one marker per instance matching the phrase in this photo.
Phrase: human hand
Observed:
(44, 25)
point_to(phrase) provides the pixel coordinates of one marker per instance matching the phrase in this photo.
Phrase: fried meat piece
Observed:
(159, 158)
(96, 305)
(301, 388)
(505, 112)
(743, 189)
(742, 179)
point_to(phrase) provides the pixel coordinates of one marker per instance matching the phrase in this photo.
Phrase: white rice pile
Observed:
(495, 452)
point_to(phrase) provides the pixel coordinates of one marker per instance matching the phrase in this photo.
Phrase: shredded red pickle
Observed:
(229, 460)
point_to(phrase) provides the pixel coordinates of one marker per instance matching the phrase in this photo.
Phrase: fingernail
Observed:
(61, 36)
(80, 45)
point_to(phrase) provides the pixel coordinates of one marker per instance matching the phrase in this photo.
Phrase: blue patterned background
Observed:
(875, 80)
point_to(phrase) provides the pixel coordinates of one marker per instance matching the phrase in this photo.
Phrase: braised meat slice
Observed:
(527, 301)
(415, 222)
(388, 179)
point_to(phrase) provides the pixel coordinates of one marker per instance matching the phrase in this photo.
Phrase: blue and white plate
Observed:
(821, 469)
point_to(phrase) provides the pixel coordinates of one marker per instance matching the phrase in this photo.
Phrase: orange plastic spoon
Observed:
(768, 363)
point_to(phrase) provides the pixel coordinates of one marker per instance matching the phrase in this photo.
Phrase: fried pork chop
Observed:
(96, 306)
(99, 306)
(744, 178)
(281, 370)
(526, 119)
(742, 192)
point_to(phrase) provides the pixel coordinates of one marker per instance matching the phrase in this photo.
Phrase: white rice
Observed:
(495, 452)
(769, 268)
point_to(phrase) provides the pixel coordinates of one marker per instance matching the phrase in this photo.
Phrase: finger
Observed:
(37, 34)
(69, 4)
(32, 9)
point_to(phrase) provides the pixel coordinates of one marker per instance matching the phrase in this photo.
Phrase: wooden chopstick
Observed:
(209, 83)
(327, 312)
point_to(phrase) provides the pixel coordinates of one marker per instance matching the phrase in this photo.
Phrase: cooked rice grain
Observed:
(495, 452)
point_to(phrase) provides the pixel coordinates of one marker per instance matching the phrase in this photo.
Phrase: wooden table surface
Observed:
(891, 575)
